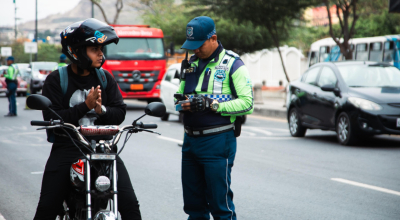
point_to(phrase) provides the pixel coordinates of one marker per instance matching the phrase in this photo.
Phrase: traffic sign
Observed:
(6, 51)
(30, 47)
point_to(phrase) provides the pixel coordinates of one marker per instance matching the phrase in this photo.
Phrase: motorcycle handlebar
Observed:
(148, 126)
(40, 123)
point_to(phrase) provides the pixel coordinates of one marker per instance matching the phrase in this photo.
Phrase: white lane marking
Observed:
(266, 128)
(248, 133)
(268, 133)
(2, 217)
(38, 172)
(171, 139)
(271, 138)
(366, 186)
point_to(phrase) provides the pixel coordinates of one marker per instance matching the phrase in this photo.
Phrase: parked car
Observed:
(169, 86)
(21, 87)
(355, 99)
(24, 71)
(39, 72)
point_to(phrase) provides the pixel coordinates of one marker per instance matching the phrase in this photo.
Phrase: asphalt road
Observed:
(275, 176)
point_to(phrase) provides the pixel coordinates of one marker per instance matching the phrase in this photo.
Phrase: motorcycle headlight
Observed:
(364, 104)
(102, 183)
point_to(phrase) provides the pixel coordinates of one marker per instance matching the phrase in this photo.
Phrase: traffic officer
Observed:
(218, 89)
(63, 60)
(12, 82)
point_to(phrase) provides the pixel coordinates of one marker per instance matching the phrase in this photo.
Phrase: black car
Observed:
(355, 99)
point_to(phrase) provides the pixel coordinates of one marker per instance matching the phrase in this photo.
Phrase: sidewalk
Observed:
(272, 104)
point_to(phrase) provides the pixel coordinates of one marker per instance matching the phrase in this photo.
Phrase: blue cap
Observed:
(198, 31)
(63, 57)
(10, 58)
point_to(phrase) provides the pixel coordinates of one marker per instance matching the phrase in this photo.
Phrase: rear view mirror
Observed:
(331, 88)
(38, 102)
(156, 109)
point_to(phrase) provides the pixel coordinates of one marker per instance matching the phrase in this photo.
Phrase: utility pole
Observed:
(92, 9)
(36, 31)
(15, 17)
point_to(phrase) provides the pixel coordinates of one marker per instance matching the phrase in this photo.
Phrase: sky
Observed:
(26, 9)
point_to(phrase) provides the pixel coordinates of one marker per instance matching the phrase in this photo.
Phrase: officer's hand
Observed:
(92, 97)
(197, 103)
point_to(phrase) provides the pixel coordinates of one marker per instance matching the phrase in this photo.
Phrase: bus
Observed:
(379, 49)
(138, 62)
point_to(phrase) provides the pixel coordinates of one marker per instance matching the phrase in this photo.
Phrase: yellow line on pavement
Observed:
(267, 118)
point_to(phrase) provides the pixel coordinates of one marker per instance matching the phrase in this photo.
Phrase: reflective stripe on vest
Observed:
(218, 97)
(220, 74)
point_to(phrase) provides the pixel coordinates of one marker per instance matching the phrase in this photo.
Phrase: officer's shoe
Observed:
(10, 115)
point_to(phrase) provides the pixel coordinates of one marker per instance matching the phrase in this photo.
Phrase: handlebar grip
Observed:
(40, 123)
(148, 126)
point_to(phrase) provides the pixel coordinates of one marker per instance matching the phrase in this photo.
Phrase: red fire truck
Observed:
(138, 61)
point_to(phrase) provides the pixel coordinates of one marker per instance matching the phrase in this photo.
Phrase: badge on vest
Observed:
(190, 70)
(224, 68)
(219, 75)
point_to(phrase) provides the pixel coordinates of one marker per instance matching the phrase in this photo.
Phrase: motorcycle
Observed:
(93, 195)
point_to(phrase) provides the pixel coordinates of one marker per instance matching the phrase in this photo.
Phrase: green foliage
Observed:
(172, 19)
(46, 52)
(380, 24)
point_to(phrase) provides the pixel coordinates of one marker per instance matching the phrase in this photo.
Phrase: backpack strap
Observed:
(102, 77)
(63, 78)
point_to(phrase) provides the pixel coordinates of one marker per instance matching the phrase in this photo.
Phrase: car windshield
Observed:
(135, 49)
(370, 76)
(44, 66)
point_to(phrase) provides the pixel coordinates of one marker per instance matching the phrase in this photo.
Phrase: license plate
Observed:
(398, 123)
(136, 86)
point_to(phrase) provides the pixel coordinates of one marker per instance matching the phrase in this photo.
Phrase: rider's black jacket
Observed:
(72, 107)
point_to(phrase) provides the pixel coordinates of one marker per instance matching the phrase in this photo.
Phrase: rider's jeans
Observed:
(206, 176)
(56, 184)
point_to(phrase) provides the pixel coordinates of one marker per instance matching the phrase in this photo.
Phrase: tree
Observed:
(277, 16)
(345, 9)
(172, 19)
(118, 6)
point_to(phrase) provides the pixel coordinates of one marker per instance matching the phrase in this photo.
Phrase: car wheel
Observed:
(165, 117)
(344, 130)
(295, 127)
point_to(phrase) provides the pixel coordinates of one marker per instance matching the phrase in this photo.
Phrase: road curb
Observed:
(270, 112)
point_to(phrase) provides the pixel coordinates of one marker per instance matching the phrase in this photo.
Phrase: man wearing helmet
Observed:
(85, 101)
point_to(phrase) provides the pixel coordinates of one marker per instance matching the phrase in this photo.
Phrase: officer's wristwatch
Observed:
(103, 110)
(214, 105)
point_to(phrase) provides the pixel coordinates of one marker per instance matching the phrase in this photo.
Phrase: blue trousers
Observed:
(206, 176)
(12, 90)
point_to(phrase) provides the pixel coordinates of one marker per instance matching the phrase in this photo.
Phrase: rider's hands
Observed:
(97, 109)
(92, 97)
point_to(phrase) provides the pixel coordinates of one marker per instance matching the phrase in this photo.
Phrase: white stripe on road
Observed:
(170, 139)
(38, 172)
(366, 186)
(2, 217)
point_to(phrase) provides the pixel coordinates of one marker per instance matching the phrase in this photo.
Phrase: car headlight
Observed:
(364, 104)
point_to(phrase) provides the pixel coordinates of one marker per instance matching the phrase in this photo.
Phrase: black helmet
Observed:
(90, 32)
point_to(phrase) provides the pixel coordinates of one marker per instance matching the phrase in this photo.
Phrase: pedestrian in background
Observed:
(12, 82)
(219, 89)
